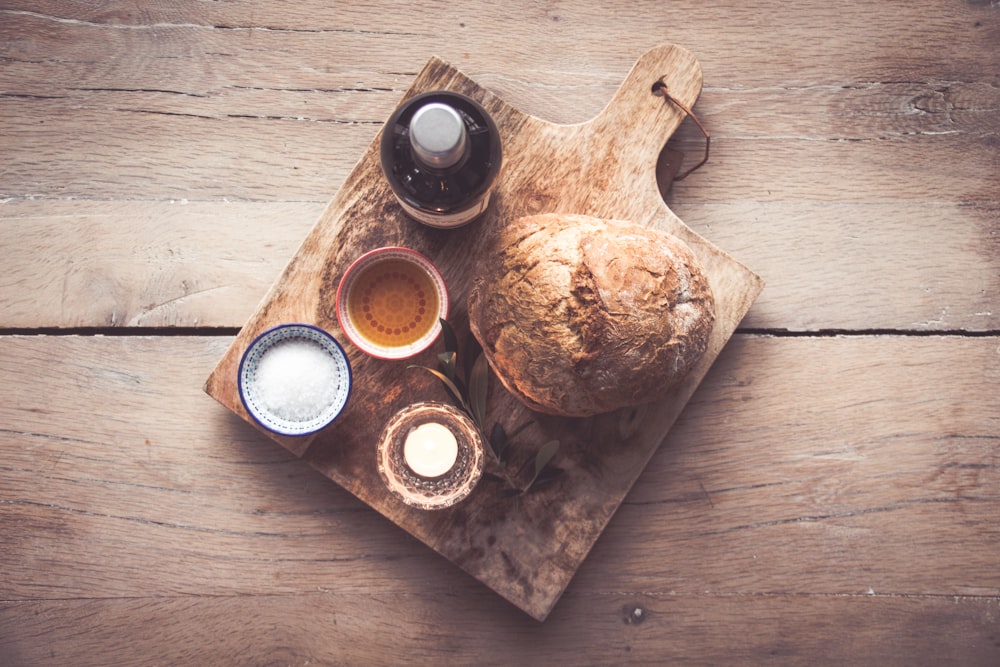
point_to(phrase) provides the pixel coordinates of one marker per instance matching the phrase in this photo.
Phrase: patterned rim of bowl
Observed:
(247, 378)
(350, 277)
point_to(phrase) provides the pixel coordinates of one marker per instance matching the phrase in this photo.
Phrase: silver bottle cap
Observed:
(437, 135)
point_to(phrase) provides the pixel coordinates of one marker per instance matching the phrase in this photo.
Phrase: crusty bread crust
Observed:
(579, 315)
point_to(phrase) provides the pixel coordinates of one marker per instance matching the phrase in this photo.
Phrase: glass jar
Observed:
(441, 153)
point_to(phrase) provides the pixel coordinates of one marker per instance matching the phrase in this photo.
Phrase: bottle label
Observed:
(448, 220)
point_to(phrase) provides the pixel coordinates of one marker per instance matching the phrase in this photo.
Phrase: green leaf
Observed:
(450, 339)
(542, 459)
(468, 355)
(449, 385)
(500, 439)
(478, 385)
(447, 362)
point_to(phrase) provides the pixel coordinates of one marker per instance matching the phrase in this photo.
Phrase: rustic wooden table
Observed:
(830, 494)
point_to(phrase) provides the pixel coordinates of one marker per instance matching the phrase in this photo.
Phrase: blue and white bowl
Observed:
(294, 379)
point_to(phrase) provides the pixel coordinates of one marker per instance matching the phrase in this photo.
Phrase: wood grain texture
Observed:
(822, 499)
(877, 147)
(754, 529)
(280, 159)
(208, 264)
(332, 628)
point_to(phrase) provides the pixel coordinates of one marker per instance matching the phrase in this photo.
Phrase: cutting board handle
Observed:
(641, 121)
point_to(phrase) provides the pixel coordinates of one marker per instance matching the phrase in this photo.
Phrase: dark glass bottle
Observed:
(441, 154)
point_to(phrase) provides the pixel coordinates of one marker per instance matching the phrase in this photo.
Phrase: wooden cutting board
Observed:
(526, 547)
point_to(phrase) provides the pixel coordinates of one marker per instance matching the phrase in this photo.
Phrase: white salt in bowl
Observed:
(294, 379)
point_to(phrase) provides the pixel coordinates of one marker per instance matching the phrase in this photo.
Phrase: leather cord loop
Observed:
(660, 88)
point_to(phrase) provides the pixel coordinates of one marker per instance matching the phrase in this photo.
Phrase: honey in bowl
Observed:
(390, 301)
(393, 303)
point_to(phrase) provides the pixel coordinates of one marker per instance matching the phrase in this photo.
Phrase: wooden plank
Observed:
(348, 101)
(284, 158)
(152, 470)
(871, 42)
(330, 627)
(294, 128)
(153, 264)
(863, 266)
(863, 514)
(828, 265)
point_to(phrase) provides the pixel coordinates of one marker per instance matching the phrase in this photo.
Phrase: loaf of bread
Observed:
(579, 315)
